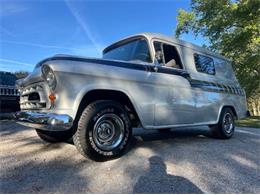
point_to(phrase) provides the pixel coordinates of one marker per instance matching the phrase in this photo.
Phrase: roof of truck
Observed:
(174, 40)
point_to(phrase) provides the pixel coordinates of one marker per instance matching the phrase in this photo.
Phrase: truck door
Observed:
(174, 101)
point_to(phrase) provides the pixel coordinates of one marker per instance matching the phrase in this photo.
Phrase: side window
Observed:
(204, 64)
(171, 57)
(167, 55)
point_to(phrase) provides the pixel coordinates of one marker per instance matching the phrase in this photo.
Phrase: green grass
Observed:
(252, 121)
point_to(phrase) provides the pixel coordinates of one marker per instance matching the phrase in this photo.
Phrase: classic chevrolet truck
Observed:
(146, 80)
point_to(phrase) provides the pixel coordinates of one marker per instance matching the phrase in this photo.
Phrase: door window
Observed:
(167, 55)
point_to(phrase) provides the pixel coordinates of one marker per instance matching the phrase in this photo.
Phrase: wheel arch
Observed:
(227, 106)
(108, 94)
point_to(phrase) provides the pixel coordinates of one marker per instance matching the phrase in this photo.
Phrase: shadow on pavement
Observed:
(156, 180)
(152, 135)
(31, 166)
(9, 127)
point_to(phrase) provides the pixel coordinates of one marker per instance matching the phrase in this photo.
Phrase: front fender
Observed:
(93, 87)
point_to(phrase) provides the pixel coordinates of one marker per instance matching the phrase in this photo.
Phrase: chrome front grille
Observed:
(34, 97)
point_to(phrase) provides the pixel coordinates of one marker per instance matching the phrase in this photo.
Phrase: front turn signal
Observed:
(52, 97)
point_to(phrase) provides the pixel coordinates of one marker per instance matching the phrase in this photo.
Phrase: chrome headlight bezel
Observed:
(49, 76)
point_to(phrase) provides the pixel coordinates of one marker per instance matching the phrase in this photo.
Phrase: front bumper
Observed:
(44, 121)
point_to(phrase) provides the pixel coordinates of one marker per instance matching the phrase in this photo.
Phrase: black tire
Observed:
(54, 136)
(91, 129)
(220, 130)
(165, 130)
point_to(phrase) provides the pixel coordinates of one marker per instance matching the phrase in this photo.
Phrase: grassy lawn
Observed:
(252, 121)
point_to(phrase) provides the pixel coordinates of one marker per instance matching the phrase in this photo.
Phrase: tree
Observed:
(21, 74)
(232, 29)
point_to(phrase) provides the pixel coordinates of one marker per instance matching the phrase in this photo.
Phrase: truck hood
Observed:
(35, 76)
(87, 59)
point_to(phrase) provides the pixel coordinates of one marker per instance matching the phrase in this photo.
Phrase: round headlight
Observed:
(49, 76)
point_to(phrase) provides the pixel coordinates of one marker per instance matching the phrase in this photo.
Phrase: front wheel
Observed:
(104, 131)
(225, 128)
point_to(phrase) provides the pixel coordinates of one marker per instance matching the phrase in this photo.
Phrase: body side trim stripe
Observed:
(121, 64)
(204, 85)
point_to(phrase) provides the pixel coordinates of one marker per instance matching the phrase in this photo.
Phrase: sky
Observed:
(31, 30)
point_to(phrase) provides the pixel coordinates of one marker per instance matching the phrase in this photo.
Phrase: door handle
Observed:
(155, 68)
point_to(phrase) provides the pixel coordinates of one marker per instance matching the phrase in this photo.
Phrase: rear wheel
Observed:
(104, 131)
(54, 136)
(225, 128)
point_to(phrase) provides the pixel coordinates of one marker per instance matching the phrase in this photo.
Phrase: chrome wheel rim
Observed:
(108, 132)
(228, 123)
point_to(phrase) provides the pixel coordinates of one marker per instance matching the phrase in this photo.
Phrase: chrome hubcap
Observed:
(228, 123)
(108, 131)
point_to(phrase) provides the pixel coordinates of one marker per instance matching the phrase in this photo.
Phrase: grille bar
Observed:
(34, 97)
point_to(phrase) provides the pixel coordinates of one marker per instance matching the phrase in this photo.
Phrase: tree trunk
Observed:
(254, 105)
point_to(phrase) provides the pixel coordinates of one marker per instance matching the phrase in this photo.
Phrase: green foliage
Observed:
(21, 74)
(233, 30)
(252, 121)
(185, 21)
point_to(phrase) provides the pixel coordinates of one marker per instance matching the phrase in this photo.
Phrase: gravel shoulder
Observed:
(185, 160)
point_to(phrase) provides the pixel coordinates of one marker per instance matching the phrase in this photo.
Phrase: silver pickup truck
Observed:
(146, 80)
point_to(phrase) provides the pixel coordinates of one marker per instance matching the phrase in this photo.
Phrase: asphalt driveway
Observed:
(185, 160)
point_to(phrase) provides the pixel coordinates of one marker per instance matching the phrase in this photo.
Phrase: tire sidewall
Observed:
(223, 131)
(105, 107)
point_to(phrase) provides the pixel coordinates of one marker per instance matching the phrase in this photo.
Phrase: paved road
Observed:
(183, 161)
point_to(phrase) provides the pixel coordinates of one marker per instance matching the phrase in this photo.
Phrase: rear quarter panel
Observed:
(209, 103)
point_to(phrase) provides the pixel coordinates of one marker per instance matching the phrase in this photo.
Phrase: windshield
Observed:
(136, 50)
